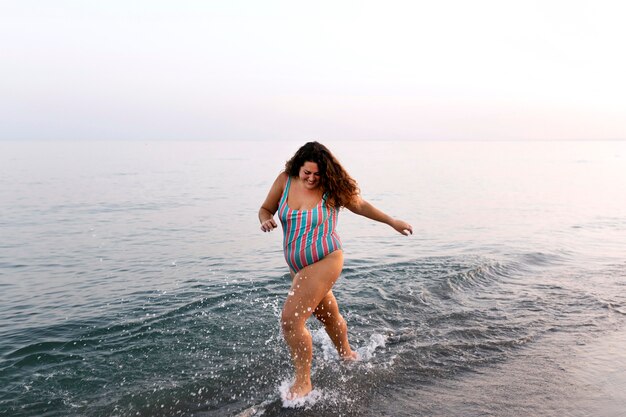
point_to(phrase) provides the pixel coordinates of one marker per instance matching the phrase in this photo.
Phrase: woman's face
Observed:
(310, 175)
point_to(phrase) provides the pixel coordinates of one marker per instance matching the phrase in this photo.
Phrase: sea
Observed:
(135, 281)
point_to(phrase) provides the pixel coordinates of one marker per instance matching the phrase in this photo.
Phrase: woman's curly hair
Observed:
(339, 186)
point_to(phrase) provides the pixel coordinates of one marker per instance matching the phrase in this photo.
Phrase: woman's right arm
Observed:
(270, 205)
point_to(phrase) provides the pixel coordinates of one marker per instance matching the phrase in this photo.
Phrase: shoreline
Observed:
(552, 376)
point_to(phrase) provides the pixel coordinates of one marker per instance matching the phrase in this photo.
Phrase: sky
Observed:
(324, 70)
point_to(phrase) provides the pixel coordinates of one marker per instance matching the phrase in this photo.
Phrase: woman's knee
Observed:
(327, 309)
(321, 317)
(330, 318)
(291, 319)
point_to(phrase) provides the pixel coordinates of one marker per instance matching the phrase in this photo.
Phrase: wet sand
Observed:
(599, 369)
(578, 378)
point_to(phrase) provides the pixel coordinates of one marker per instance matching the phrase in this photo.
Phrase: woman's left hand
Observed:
(402, 227)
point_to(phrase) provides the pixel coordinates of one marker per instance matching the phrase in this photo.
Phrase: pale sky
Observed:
(325, 70)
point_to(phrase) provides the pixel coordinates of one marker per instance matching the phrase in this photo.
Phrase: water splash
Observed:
(367, 352)
(329, 352)
(305, 402)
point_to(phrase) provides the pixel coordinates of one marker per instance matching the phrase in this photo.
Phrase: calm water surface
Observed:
(134, 281)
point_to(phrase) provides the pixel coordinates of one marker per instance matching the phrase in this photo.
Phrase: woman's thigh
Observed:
(311, 284)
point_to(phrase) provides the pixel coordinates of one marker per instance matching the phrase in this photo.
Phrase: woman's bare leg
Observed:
(310, 285)
(327, 312)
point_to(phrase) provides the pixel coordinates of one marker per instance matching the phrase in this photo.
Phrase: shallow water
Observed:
(135, 281)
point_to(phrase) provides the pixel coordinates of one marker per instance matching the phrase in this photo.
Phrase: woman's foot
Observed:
(299, 390)
(350, 356)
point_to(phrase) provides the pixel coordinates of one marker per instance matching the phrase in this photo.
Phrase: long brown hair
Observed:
(340, 187)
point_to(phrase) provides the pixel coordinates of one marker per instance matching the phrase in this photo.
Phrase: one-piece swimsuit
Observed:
(308, 235)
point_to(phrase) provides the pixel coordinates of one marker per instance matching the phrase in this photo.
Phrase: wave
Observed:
(214, 349)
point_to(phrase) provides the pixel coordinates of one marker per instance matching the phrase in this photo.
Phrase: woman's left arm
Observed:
(364, 208)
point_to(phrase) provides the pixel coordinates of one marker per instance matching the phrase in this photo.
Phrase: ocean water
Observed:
(135, 281)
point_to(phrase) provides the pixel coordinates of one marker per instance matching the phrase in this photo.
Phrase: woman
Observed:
(308, 196)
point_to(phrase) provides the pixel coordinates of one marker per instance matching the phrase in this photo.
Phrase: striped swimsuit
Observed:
(308, 235)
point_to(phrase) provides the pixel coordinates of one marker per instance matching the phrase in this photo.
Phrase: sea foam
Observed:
(365, 353)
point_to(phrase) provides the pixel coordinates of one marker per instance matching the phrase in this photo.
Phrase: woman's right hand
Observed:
(268, 225)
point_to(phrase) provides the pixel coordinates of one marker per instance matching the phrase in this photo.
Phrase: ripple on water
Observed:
(216, 348)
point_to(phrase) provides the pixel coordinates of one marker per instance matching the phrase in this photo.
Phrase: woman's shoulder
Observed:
(281, 180)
